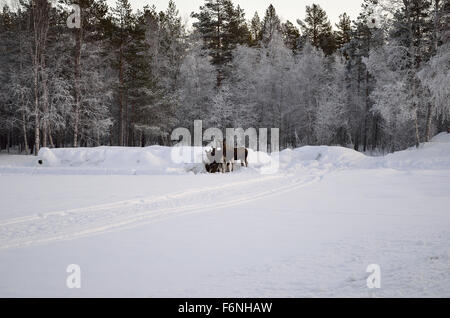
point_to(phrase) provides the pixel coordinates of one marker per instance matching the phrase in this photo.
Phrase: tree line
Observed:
(128, 78)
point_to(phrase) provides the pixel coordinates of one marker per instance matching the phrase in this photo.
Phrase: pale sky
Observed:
(287, 9)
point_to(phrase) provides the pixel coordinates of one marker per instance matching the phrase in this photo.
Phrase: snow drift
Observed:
(158, 160)
(432, 155)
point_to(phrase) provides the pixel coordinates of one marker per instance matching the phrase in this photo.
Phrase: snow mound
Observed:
(121, 160)
(48, 158)
(442, 138)
(320, 156)
(154, 160)
(431, 155)
(149, 160)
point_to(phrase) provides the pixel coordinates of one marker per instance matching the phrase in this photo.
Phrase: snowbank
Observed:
(160, 160)
(149, 160)
(430, 155)
(119, 160)
(433, 155)
(322, 156)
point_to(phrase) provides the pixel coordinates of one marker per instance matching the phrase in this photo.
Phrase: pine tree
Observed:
(256, 30)
(93, 15)
(238, 28)
(222, 27)
(343, 33)
(412, 30)
(365, 36)
(10, 42)
(291, 35)
(317, 29)
(158, 51)
(271, 25)
(121, 36)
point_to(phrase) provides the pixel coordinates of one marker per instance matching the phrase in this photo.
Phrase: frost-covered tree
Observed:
(155, 74)
(436, 77)
(332, 119)
(309, 77)
(121, 33)
(391, 96)
(197, 85)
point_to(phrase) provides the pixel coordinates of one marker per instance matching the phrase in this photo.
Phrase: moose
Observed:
(227, 161)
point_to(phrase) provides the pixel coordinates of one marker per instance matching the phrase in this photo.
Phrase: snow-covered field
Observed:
(138, 224)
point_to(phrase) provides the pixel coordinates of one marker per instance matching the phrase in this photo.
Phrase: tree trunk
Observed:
(50, 138)
(77, 75)
(366, 112)
(436, 25)
(413, 69)
(429, 122)
(8, 140)
(36, 103)
(121, 96)
(126, 130)
(24, 130)
(435, 48)
(24, 106)
(416, 123)
(40, 22)
(44, 83)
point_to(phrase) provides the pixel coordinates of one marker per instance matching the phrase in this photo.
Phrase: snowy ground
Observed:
(139, 225)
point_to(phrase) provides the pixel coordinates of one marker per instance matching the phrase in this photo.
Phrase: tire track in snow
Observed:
(100, 219)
